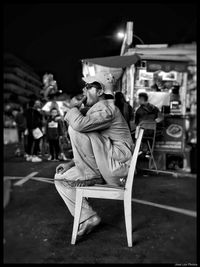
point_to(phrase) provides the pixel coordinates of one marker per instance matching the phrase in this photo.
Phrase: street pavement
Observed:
(38, 226)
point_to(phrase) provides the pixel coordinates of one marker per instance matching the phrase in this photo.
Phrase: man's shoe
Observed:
(36, 159)
(147, 155)
(28, 158)
(63, 157)
(50, 158)
(87, 226)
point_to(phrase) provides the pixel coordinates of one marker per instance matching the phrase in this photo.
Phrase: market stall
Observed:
(168, 75)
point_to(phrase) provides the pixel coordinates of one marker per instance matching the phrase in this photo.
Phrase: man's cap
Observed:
(106, 80)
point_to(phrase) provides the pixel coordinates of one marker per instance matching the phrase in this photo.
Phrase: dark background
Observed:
(55, 37)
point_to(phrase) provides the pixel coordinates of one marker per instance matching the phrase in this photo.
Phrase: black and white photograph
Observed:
(100, 133)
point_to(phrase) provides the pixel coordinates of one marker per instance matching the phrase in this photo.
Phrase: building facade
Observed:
(20, 79)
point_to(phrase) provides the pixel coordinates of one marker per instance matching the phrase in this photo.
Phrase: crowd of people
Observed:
(40, 133)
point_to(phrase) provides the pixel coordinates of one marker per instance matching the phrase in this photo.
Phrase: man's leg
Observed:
(96, 156)
(85, 168)
(19, 136)
(57, 148)
(36, 146)
(69, 194)
(51, 149)
(30, 141)
(83, 154)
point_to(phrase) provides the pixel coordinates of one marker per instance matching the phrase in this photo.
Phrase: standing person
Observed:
(145, 111)
(63, 141)
(34, 132)
(53, 133)
(102, 147)
(21, 127)
(38, 107)
(124, 107)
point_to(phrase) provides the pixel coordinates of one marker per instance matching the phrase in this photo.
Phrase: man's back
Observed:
(33, 118)
(118, 129)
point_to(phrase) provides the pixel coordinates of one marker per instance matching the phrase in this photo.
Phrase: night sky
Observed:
(55, 37)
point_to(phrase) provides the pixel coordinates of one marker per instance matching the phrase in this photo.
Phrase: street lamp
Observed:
(120, 35)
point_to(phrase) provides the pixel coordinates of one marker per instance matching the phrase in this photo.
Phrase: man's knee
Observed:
(78, 137)
(58, 178)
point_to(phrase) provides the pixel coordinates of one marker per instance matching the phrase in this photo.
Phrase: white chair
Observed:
(111, 192)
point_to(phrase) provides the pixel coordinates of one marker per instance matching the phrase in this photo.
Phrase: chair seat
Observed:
(105, 192)
(101, 187)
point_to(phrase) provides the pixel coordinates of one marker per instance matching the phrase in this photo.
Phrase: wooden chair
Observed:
(111, 192)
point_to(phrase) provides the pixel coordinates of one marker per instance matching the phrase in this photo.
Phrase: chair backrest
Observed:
(131, 173)
(148, 125)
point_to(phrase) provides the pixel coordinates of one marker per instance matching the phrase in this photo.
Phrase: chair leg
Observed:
(77, 215)
(152, 158)
(128, 219)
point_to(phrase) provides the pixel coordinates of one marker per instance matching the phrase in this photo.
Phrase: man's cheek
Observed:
(88, 95)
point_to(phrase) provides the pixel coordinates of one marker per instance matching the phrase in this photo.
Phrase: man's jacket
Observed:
(110, 138)
(146, 112)
(33, 119)
(102, 117)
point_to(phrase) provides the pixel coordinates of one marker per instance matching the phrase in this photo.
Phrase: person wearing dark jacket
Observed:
(53, 132)
(21, 127)
(124, 107)
(33, 122)
(146, 111)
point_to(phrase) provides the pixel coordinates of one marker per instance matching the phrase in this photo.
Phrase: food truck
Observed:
(168, 76)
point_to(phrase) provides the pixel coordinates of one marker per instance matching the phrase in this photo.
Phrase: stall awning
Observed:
(166, 66)
(114, 62)
(166, 63)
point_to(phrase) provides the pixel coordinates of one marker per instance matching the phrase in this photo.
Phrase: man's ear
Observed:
(100, 92)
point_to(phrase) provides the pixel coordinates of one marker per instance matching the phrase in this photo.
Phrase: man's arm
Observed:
(60, 128)
(136, 117)
(98, 120)
(160, 117)
(131, 112)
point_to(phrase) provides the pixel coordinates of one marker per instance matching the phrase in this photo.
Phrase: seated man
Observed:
(102, 148)
(146, 111)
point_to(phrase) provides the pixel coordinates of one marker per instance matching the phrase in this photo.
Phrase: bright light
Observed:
(120, 35)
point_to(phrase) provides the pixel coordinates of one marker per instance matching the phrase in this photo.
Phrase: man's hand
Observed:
(159, 118)
(58, 118)
(76, 103)
(62, 168)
